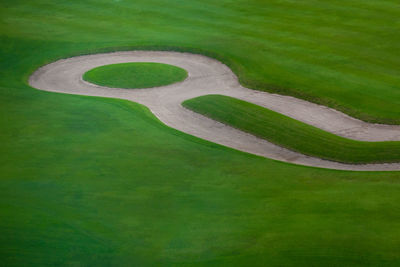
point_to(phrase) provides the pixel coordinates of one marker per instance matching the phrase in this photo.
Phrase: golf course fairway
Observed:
(99, 181)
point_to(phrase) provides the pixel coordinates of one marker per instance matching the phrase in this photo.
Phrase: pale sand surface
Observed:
(209, 76)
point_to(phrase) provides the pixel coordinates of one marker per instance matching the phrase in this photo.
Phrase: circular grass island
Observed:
(135, 75)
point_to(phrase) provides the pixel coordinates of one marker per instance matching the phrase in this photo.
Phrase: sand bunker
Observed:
(209, 76)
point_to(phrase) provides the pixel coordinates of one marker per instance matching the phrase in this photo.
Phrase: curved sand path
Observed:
(209, 76)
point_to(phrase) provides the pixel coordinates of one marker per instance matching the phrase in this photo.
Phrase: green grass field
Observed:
(339, 53)
(135, 75)
(290, 133)
(88, 181)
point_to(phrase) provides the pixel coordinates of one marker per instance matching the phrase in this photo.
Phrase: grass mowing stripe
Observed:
(291, 133)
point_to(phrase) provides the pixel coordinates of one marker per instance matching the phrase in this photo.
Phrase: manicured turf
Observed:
(96, 182)
(135, 75)
(290, 133)
(122, 189)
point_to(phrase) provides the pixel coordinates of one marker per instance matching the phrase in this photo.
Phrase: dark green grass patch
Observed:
(135, 75)
(290, 133)
(106, 184)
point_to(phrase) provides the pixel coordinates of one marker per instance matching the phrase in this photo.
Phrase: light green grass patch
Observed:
(290, 133)
(135, 75)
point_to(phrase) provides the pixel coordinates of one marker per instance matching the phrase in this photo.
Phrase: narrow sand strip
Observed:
(209, 76)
